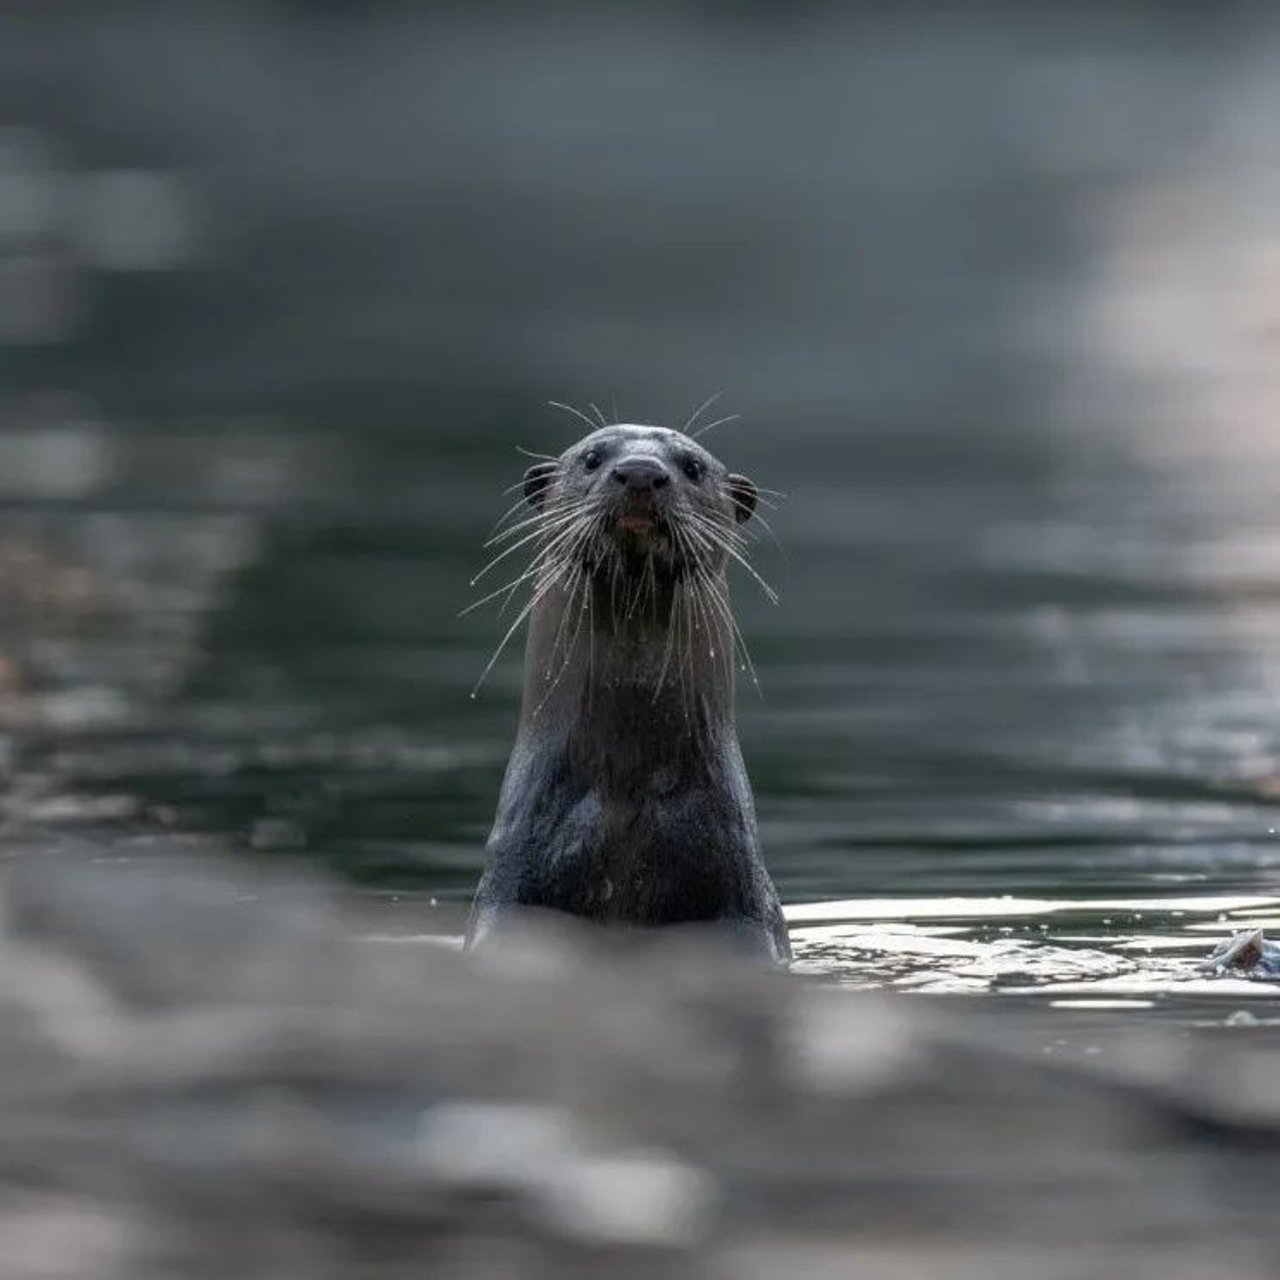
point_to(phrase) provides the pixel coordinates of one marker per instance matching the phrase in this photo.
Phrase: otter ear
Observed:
(536, 480)
(743, 492)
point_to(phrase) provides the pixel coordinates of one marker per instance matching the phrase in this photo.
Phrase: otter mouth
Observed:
(639, 518)
(637, 522)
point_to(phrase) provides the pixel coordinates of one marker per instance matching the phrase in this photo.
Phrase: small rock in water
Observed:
(1241, 1018)
(1247, 952)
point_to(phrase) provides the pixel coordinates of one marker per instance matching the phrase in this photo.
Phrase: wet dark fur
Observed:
(626, 799)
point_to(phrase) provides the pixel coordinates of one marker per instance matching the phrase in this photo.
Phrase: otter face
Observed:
(653, 492)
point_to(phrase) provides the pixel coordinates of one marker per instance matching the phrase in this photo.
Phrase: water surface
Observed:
(1014, 377)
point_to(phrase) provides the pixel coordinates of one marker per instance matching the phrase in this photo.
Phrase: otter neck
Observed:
(658, 659)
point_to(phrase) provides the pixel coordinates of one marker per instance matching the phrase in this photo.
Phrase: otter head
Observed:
(645, 494)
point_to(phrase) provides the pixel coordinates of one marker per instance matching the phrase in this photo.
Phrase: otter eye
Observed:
(693, 469)
(591, 459)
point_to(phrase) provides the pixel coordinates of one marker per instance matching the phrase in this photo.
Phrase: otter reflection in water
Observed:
(626, 799)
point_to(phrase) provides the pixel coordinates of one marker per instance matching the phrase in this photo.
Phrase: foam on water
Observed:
(1124, 953)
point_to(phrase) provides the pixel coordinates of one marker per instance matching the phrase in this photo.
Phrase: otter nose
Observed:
(641, 474)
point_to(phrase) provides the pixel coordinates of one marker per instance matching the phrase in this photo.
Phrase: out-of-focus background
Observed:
(996, 291)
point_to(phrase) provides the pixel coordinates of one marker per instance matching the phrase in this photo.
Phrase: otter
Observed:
(626, 799)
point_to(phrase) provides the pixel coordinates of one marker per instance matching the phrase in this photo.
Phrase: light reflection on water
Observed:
(1149, 949)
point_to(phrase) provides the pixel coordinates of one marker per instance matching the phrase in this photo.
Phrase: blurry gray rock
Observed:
(209, 1072)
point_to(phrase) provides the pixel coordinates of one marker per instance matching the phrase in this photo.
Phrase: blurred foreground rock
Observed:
(209, 1074)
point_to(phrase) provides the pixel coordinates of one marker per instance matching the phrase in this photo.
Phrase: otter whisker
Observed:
(506, 589)
(669, 647)
(706, 590)
(731, 549)
(518, 487)
(546, 531)
(551, 471)
(512, 510)
(591, 645)
(686, 641)
(577, 413)
(716, 595)
(572, 559)
(579, 581)
(546, 561)
(553, 514)
(529, 607)
(678, 637)
(636, 593)
(710, 638)
(557, 529)
(699, 587)
(539, 457)
(560, 531)
(570, 547)
(739, 641)
(720, 602)
(711, 426)
(513, 530)
(596, 410)
(570, 555)
(715, 537)
(629, 602)
(768, 528)
(744, 536)
(691, 595)
(570, 587)
(615, 578)
(547, 556)
(544, 518)
(725, 530)
(700, 410)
